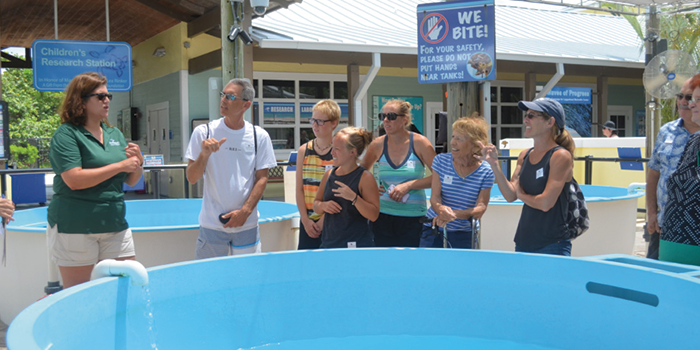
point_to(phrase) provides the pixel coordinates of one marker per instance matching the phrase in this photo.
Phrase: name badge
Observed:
(329, 167)
(248, 147)
(410, 164)
(539, 173)
(448, 179)
(352, 245)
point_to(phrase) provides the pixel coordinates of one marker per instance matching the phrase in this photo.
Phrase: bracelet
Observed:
(355, 200)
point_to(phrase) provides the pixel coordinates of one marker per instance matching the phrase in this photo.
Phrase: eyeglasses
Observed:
(319, 122)
(230, 97)
(390, 116)
(101, 96)
(688, 97)
(532, 115)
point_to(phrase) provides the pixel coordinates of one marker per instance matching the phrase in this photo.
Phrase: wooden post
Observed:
(462, 100)
(353, 85)
(227, 48)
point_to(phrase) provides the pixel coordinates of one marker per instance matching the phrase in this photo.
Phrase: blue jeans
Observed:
(558, 248)
(456, 239)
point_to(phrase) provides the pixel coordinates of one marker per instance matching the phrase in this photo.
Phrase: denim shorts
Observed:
(213, 243)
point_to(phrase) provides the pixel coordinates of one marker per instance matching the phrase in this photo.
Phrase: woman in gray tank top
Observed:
(539, 178)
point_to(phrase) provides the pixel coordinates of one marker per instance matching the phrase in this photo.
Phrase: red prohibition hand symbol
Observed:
(434, 26)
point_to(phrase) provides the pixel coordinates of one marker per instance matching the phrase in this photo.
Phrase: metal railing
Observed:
(588, 160)
(154, 179)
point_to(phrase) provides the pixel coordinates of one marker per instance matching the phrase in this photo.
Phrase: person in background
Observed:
(539, 178)
(316, 159)
(91, 159)
(402, 157)
(609, 129)
(461, 185)
(669, 145)
(680, 229)
(348, 195)
(234, 157)
(7, 209)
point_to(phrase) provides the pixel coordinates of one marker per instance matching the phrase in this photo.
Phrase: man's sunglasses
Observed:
(686, 97)
(390, 116)
(230, 97)
(101, 96)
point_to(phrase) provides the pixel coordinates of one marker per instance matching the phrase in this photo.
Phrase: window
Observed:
(506, 117)
(286, 104)
(278, 89)
(314, 90)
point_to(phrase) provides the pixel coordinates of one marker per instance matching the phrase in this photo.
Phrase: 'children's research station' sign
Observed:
(456, 41)
(57, 62)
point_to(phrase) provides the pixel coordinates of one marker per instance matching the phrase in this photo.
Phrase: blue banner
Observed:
(278, 113)
(456, 41)
(57, 62)
(571, 95)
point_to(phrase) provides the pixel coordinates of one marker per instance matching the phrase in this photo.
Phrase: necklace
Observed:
(322, 149)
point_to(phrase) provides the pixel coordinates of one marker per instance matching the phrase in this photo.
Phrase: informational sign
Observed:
(416, 109)
(153, 160)
(278, 113)
(4, 131)
(571, 95)
(456, 41)
(577, 106)
(57, 62)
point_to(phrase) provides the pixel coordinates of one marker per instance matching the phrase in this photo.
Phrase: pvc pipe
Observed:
(634, 186)
(552, 82)
(364, 86)
(127, 268)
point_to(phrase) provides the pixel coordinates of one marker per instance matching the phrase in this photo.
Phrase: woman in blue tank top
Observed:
(539, 178)
(401, 157)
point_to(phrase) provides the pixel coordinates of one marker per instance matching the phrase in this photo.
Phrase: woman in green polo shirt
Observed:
(91, 160)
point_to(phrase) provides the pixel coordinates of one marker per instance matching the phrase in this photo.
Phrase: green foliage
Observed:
(24, 157)
(33, 114)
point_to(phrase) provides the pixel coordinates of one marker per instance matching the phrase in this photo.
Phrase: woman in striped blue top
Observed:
(461, 185)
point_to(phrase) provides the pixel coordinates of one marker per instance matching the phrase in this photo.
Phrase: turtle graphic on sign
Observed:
(480, 65)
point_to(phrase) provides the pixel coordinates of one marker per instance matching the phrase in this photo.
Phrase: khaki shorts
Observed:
(80, 249)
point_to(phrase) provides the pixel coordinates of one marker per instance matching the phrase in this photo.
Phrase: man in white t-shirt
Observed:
(233, 156)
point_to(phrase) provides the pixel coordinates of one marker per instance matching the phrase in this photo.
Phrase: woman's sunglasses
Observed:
(532, 115)
(101, 96)
(390, 116)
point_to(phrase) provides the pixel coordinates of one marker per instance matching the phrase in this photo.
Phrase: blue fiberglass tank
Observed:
(377, 299)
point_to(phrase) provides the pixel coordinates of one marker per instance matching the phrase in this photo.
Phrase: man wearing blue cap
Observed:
(539, 178)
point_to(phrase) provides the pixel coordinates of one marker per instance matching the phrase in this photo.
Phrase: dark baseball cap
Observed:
(546, 105)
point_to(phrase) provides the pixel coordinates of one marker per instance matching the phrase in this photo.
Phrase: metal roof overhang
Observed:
(406, 57)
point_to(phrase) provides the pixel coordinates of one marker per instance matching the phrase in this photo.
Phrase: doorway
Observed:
(159, 140)
(622, 117)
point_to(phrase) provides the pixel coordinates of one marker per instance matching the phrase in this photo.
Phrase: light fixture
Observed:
(159, 52)
(652, 105)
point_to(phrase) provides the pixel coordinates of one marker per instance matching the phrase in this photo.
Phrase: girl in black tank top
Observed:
(348, 195)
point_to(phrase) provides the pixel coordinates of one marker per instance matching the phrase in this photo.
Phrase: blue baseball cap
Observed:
(546, 105)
